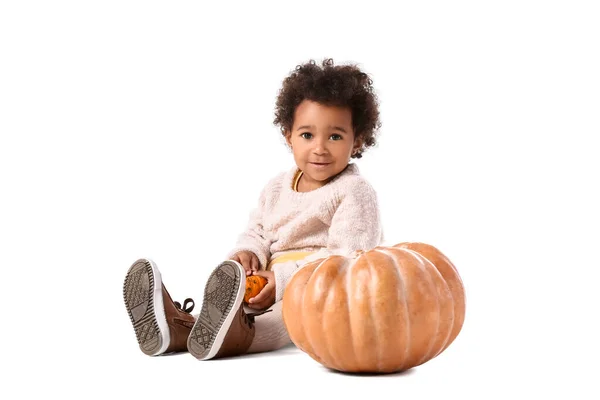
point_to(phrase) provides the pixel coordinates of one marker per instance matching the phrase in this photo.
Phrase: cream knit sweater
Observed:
(338, 218)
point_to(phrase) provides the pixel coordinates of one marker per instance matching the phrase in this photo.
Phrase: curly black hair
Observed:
(342, 86)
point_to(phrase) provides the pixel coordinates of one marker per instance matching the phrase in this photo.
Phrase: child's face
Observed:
(322, 140)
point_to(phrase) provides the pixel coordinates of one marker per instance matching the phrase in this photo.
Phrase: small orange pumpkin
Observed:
(384, 310)
(254, 285)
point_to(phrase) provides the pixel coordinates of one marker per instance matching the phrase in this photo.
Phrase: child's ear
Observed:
(288, 137)
(358, 142)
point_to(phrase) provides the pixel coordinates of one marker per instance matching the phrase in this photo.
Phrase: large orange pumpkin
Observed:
(385, 310)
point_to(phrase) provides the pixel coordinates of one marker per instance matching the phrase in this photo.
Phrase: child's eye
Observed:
(306, 135)
(336, 137)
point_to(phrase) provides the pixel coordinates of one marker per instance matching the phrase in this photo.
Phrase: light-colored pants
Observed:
(270, 330)
(271, 333)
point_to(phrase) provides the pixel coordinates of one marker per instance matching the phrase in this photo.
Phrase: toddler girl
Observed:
(328, 114)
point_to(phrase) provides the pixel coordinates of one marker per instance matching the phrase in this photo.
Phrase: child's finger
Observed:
(245, 261)
(254, 263)
(264, 274)
(240, 259)
(266, 303)
(257, 299)
(262, 295)
(258, 305)
(248, 268)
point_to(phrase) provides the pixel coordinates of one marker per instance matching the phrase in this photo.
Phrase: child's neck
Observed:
(305, 185)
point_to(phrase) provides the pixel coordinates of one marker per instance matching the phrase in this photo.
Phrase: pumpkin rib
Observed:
(291, 301)
(454, 282)
(310, 338)
(348, 266)
(458, 322)
(404, 297)
(411, 258)
(359, 273)
(407, 313)
(310, 349)
(372, 314)
(324, 301)
(451, 327)
(387, 366)
(454, 276)
(433, 288)
(426, 288)
(333, 343)
(449, 335)
(394, 260)
(323, 333)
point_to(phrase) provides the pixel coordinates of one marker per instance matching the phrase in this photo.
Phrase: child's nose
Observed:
(320, 147)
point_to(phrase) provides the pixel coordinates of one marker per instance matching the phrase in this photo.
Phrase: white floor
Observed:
(107, 363)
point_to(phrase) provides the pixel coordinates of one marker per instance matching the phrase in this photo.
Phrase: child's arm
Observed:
(253, 239)
(356, 225)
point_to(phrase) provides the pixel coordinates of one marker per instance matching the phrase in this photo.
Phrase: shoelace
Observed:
(186, 307)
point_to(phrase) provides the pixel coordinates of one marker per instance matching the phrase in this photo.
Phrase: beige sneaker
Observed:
(161, 324)
(223, 329)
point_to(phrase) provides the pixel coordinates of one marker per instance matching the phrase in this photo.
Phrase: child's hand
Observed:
(248, 259)
(266, 297)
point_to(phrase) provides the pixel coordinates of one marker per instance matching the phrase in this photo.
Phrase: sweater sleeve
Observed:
(254, 238)
(356, 225)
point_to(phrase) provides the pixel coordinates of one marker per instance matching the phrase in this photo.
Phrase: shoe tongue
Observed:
(252, 315)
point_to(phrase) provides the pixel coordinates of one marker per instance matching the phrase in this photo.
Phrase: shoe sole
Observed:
(223, 295)
(142, 292)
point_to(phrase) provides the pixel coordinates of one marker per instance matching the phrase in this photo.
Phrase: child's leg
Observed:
(270, 331)
(222, 329)
(160, 324)
(225, 327)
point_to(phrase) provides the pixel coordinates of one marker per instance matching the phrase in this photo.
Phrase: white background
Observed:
(144, 129)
